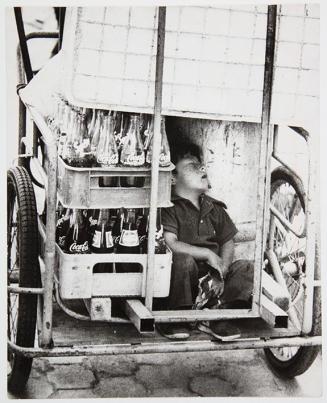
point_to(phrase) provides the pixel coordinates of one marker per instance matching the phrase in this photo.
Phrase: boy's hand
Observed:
(217, 286)
(216, 262)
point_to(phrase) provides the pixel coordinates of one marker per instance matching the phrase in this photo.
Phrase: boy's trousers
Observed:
(184, 282)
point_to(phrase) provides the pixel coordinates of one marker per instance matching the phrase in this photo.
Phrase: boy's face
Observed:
(191, 174)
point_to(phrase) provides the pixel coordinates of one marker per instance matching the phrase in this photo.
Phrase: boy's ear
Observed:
(173, 177)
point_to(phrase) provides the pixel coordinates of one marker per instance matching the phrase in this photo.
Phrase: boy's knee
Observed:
(244, 266)
(184, 262)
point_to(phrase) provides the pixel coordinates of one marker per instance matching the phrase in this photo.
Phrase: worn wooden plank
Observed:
(69, 331)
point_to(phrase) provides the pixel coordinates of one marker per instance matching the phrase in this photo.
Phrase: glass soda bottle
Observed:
(107, 153)
(117, 226)
(92, 216)
(164, 156)
(85, 144)
(129, 241)
(160, 244)
(91, 122)
(77, 238)
(95, 134)
(102, 239)
(132, 153)
(69, 153)
(62, 228)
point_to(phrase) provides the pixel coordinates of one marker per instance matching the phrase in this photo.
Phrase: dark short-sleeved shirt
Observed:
(209, 227)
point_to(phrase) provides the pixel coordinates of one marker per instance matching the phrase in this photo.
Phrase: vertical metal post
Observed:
(155, 157)
(23, 44)
(276, 138)
(50, 252)
(311, 223)
(62, 15)
(21, 132)
(265, 147)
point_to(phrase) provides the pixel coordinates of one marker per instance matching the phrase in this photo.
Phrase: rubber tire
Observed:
(305, 356)
(19, 185)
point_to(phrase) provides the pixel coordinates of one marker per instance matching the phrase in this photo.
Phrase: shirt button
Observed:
(201, 221)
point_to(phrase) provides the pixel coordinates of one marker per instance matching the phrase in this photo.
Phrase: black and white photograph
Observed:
(162, 170)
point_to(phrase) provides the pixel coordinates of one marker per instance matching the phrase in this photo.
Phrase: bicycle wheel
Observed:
(288, 197)
(23, 270)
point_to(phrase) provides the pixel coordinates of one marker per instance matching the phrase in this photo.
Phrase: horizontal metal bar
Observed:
(24, 290)
(193, 315)
(42, 35)
(164, 347)
(24, 155)
(139, 315)
(79, 316)
(285, 222)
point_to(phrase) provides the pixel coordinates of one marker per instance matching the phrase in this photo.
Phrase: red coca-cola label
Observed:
(79, 248)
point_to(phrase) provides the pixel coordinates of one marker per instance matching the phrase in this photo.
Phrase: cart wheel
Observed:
(23, 270)
(288, 197)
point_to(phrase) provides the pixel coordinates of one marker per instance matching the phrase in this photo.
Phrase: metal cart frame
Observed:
(259, 308)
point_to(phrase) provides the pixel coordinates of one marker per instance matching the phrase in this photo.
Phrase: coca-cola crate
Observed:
(82, 187)
(77, 280)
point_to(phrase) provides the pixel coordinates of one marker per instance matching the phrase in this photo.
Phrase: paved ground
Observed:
(237, 373)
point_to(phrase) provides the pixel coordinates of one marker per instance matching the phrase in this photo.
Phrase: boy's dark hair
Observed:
(180, 149)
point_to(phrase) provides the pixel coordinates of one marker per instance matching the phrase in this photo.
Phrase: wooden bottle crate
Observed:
(77, 280)
(81, 187)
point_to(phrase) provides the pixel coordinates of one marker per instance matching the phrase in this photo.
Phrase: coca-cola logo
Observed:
(93, 221)
(108, 160)
(116, 239)
(142, 238)
(164, 159)
(135, 160)
(61, 240)
(79, 248)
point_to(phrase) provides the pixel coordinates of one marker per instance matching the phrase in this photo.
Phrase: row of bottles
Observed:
(89, 138)
(106, 231)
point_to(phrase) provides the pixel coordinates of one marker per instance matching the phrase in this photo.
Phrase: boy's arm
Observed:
(227, 254)
(197, 252)
(177, 246)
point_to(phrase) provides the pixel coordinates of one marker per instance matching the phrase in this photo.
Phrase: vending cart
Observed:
(215, 84)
